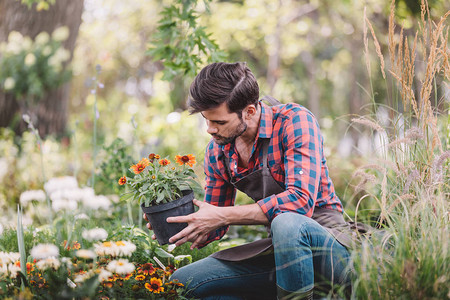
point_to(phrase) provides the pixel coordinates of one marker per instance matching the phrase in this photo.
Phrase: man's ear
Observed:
(250, 111)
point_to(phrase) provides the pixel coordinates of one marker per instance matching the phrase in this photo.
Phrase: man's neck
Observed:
(249, 136)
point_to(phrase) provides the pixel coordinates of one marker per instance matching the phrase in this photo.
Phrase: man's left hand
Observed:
(200, 224)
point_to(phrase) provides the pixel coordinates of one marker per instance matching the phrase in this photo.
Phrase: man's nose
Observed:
(210, 129)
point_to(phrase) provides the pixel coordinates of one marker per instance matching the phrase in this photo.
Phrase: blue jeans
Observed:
(305, 255)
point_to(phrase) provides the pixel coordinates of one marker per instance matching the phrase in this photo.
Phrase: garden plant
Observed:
(71, 225)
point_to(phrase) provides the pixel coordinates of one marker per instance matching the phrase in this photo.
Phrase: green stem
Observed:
(94, 138)
(130, 213)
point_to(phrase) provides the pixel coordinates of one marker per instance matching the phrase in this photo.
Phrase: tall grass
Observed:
(410, 259)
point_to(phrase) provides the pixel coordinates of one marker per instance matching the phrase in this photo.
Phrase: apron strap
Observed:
(271, 100)
(265, 149)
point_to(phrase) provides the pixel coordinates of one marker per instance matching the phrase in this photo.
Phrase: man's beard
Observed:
(222, 140)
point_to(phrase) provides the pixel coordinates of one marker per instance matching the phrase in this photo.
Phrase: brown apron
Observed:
(259, 185)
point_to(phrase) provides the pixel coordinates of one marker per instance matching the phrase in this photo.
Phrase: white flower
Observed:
(47, 50)
(3, 270)
(27, 43)
(59, 57)
(63, 204)
(28, 196)
(74, 194)
(81, 216)
(15, 37)
(106, 249)
(8, 257)
(9, 83)
(67, 261)
(13, 48)
(42, 251)
(13, 270)
(30, 59)
(60, 34)
(125, 248)
(96, 234)
(86, 254)
(3, 167)
(120, 266)
(115, 249)
(42, 38)
(97, 202)
(60, 183)
(83, 277)
(103, 275)
(47, 263)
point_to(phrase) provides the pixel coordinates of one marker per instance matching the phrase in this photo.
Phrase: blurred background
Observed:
(100, 97)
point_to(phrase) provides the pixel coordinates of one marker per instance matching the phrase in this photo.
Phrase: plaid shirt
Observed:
(295, 159)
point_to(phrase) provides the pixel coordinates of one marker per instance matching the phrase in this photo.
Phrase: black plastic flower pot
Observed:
(157, 215)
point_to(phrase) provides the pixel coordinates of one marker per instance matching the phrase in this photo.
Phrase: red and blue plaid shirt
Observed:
(295, 159)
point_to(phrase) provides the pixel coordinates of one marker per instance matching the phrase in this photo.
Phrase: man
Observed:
(275, 156)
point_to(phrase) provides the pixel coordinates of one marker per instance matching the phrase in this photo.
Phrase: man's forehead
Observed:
(219, 113)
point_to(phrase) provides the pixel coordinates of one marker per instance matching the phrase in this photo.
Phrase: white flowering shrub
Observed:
(29, 68)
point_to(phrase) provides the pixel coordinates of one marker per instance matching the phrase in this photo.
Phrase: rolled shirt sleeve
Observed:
(301, 140)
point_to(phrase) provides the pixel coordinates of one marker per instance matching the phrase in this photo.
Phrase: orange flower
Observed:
(147, 269)
(145, 162)
(155, 286)
(138, 168)
(76, 245)
(140, 278)
(30, 267)
(164, 162)
(188, 159)
(153, 156)
(122, 180)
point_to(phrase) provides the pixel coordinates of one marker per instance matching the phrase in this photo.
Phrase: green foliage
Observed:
(156, 182)
(115, 162)
(180, 43)
(41, 4)
(29, 68)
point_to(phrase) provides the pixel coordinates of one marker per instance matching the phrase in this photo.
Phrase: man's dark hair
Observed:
(221, 82)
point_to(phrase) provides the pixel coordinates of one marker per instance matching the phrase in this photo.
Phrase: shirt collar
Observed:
(265, 123)
(265, 126)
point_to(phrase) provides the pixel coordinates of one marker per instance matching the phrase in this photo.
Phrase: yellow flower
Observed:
(140, 278)
(155, 286)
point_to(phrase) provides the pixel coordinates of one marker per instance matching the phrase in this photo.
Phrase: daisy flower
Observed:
(123, 180)
(48, 263)
(137, 168)
(120, 266)
(188, 159)
(164, 162)
(95, 234)
(43, 251)
(155, 286)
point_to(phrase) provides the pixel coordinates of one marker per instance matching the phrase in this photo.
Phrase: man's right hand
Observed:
(149, 226)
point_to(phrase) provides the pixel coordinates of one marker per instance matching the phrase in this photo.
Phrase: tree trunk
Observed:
(273, 65)
(51, 111)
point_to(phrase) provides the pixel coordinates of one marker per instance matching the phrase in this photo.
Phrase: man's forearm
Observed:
(249, 214)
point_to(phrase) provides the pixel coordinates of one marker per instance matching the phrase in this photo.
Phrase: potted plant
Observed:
(163, 190)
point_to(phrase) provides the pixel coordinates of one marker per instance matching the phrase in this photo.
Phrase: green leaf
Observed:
(162, 253)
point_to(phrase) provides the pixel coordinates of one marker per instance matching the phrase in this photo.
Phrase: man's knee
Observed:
(288, 225)
(182, 275)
